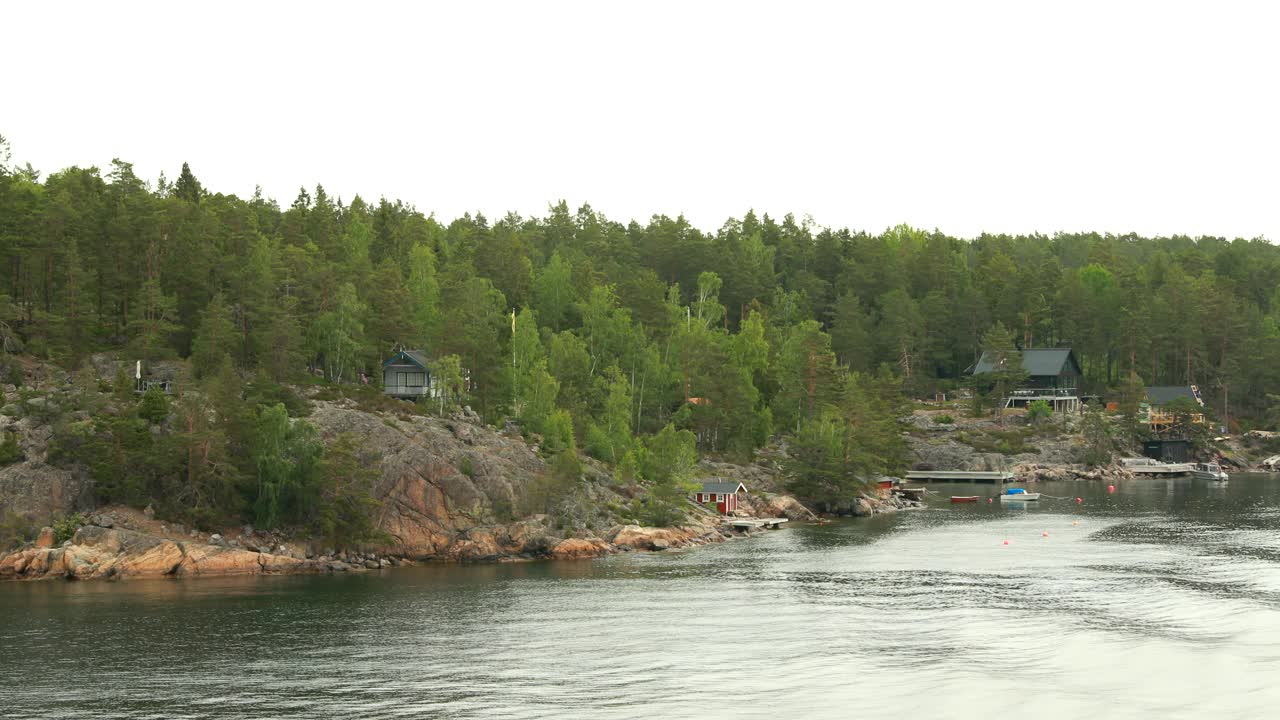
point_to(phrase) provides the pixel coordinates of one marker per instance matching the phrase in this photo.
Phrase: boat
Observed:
(964, 498)
(1018, 495)
(1210, 471)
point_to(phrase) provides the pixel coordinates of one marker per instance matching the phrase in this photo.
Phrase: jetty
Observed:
(755, 523)
(1148, 466)
(993, 477)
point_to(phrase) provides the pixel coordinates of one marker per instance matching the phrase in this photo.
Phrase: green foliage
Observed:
(15, 530)
(1013, 441)
(345, 507)
(466, 466)
(10, 452)
(1039, 411)
(546, 492)
(610, 438)
(285, 455)
(838, 453)
(154, 406)
(214, 339)
(1099, 443)
(65, 527)
(732, 334)
(944, 419)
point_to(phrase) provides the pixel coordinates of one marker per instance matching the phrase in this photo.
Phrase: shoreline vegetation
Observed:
(217, 362)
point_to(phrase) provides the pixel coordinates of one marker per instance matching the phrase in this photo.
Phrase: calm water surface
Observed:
(1163, 601)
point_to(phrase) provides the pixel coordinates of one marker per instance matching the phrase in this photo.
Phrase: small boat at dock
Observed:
(1018, 495)
(964, 498)
(1210, 471)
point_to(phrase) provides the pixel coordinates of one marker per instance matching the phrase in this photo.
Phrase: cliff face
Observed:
(30, 487)
(450, 489)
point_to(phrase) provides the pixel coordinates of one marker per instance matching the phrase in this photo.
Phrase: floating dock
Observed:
(965, 476)
(755, 523)
(1147, 466)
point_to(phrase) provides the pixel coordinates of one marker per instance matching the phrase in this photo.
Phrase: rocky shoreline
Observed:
(103, 551)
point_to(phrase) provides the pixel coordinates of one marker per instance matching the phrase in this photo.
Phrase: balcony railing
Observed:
(407, 390)
(1044, 393)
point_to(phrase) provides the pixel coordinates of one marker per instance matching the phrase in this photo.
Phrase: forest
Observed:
(631, 342)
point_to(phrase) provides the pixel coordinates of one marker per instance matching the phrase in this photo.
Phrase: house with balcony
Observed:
(1053, 375)
(1159, 409)
(407, 374)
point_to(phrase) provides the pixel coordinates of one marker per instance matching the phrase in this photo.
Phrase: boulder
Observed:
(45, 538)
(571, 548)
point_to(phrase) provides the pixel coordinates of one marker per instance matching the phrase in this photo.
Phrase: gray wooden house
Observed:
(407, 374)
(1053, 374)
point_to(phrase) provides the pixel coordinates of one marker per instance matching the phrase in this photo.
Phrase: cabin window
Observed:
(411, 379)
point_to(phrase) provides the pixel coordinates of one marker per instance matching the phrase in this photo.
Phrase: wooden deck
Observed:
(755, 523)
(965, 476)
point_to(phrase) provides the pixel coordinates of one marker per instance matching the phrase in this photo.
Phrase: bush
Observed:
(1039, 411)
(9, 450)
(65, 527)
(467, 467)
(944, 420)
(154, 406)
(15, 530)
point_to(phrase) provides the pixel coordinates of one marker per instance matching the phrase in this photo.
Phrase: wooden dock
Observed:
(755, 523)
(965, 476)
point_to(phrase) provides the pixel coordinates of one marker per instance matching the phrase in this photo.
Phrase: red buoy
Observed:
(1006, 542)
(1111, 488)
(1044, 534)
(1079, 500)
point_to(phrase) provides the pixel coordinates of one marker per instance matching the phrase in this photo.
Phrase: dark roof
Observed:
(415, 357)
(728, 488)
(1165, 394)
(1036, 361)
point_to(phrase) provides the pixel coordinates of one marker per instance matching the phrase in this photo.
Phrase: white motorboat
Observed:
(1018, 495)
(1210, 471)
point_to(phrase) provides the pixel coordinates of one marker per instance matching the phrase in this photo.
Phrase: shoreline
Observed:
(102, 551)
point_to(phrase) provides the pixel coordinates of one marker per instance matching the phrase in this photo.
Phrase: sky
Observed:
(1150, 117)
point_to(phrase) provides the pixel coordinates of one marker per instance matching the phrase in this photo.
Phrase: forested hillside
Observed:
(621, 329)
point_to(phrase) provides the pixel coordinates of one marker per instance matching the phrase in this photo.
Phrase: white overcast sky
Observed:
(1151, 117)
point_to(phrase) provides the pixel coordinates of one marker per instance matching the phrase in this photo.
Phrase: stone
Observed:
(572, 548)
(149, 512)
(45, 538)
(215, 539)
(660, 544)
(371, 564)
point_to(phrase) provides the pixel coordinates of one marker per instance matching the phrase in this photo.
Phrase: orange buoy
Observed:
(1074, 523)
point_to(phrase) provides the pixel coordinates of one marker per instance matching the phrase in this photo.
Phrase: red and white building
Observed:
(723, 494)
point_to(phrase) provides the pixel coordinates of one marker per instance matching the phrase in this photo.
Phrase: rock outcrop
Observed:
(98, 552)
(450, 489)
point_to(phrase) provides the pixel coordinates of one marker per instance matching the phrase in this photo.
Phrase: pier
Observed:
(965, 476)
(755, 523)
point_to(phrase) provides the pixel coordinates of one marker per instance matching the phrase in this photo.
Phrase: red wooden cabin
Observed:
(723, 494)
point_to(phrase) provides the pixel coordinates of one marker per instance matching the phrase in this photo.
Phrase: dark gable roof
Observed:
(415, 357)
(725, 488)
(1036, 361)
(1165, 394)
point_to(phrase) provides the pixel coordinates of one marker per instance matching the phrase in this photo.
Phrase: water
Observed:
(1163, 601)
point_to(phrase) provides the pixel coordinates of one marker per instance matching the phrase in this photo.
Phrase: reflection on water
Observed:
(1161, 600)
